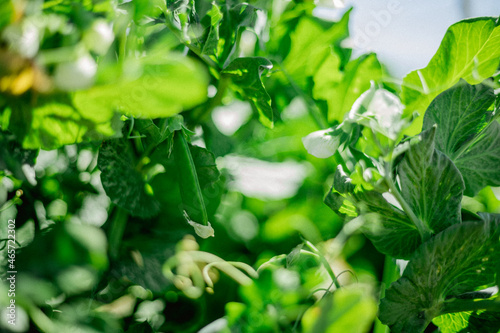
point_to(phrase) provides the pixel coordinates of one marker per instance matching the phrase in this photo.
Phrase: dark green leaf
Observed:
(121, 180)
(460, 259)
(389, 229)
(14, 158)
(431, 184)
(206, 169)
(236, 19)
(246, 73)
(463, 134)
(469, 50)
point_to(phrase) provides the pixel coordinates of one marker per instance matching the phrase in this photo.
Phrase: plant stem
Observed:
(389, 275)
(116, 231)
(340, 160)
(424, 231)
(471, 305)
(324, 262)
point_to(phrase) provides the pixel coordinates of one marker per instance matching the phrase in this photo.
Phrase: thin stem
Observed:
(340, 160)
(471, 305)
(389, 275)
(116, 231)
(324, 262)
(424, 231)
(205, 110)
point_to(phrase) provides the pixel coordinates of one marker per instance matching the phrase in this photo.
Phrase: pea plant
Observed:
(127, 126)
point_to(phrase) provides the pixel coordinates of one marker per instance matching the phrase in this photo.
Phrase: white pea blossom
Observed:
(380, 110)
(321, 144)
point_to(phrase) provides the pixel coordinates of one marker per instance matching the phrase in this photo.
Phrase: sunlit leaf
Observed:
(164, 88)
(469, 50)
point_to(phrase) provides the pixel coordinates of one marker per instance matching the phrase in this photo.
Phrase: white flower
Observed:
(99, 37)
(379, 109)
(75, 75)
(322, 144)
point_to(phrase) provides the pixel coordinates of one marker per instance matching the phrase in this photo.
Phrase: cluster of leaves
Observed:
(409, 195)
(108, 183)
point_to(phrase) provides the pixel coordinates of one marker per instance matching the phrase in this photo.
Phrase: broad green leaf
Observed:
(431, 184)
(340, 312)
(356, 79)
(123, 183)
(246, 75)
(165, 87)
(463, 134)
(53, 122)
(470, 322)
(462, 258)
(469, 50)
(389, 229)
(311, 41)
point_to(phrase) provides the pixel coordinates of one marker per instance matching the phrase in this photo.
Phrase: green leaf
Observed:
(165, 87)
(341, 311)
(246, 75)
(17, 160)
(355, 80)
(53, 122)
(206, 169)
(211, 46)
(190, 188)
(236, 19)
(462, 258)
(123, 183)
(310, 40)
(469, 50)
(431, 184)
(388, 227)
(463, 134)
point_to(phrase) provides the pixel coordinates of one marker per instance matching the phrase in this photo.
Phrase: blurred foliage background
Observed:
(90, 96)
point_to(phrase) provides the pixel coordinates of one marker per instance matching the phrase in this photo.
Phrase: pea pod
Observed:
(192, 198)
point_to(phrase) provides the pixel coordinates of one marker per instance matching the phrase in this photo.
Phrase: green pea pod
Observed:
(192, 197)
